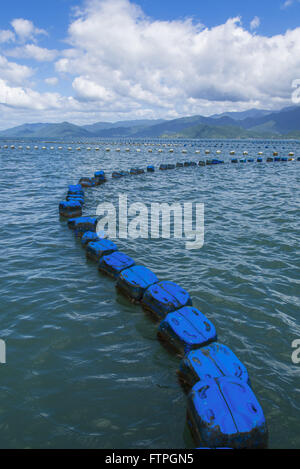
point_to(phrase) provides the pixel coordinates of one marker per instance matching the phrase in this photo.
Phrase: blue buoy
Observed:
(150, 169)
(75, 189)
(70, 209)
(284, 159)
(164, 298)
(186, 329)
(135, 171)
(250, 160)
(214, 361)
(83, 224)
(96, 249)
(259, 160)
(224, 412)
(115, 263)
(277, 159)
(99, 177)
(88, 237)
(179, 165)
(87, 182)
(119, 174)
(171, 166)
(134, 282)
(234, 160)
(163, 167)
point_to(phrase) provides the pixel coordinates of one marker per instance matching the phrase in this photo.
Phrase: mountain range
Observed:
(253, 123)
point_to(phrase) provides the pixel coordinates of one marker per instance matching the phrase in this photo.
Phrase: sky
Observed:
(86, 61)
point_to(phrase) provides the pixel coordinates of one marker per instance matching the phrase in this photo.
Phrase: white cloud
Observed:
(255, 23)
(26, 98)
(6, 36)
(14, 72)
(52, 81)
(123, 64)
(25, 29)
(31, 51)
(120, 57)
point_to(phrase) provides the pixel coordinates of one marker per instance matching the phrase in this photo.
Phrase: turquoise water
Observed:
(84, 368)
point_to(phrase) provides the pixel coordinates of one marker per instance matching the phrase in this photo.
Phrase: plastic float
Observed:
(82, 224)
(88, 237)
(70, 209)
(87, 182)
(99, 177)
(133, 282)
(119, 174)
(115, 263)
(213, 361)
(96, 249)
(136, 171)
(224, 412)
(165, 297)
(186, 329)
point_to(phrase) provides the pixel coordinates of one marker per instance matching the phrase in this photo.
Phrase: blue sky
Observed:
(95, 60)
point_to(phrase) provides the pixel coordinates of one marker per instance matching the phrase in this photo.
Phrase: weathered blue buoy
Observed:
(163, 167)
(88, 237)
(115, 263)
(186, 329)
(213, 361)
(96, 249)
(83, 224)
(87, 182)
(135, 171)
(201, 163)
(70, 209)
(99, 177)
(234, 160)
(150, 169)
(277, 159)
(179, 165)
(242, 160)
(250, 160)
(270, 160)
(171, 166)
(134, 282)
(259, 160)
(164, 298)
(224, 412)
(298, 159)
(119, 174)
(284, 159)
(193, 163)
(75, 189)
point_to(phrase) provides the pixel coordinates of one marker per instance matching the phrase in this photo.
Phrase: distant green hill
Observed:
(248, 124)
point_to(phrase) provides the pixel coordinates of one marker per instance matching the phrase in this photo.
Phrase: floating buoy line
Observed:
(213, 377)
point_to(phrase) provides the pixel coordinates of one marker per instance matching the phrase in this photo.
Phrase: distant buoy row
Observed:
(127, 149)
(222, 409)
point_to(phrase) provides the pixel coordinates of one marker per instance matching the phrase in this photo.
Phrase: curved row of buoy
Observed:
(222, 410)
(128, 149)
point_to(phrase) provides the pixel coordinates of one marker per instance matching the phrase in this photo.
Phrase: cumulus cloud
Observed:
(119, 56)
(52, 81)
(14, 72)
(25, 29)
(255, 23)
(26, 98)
(32, 51)
(6, 36)
(123, 64)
